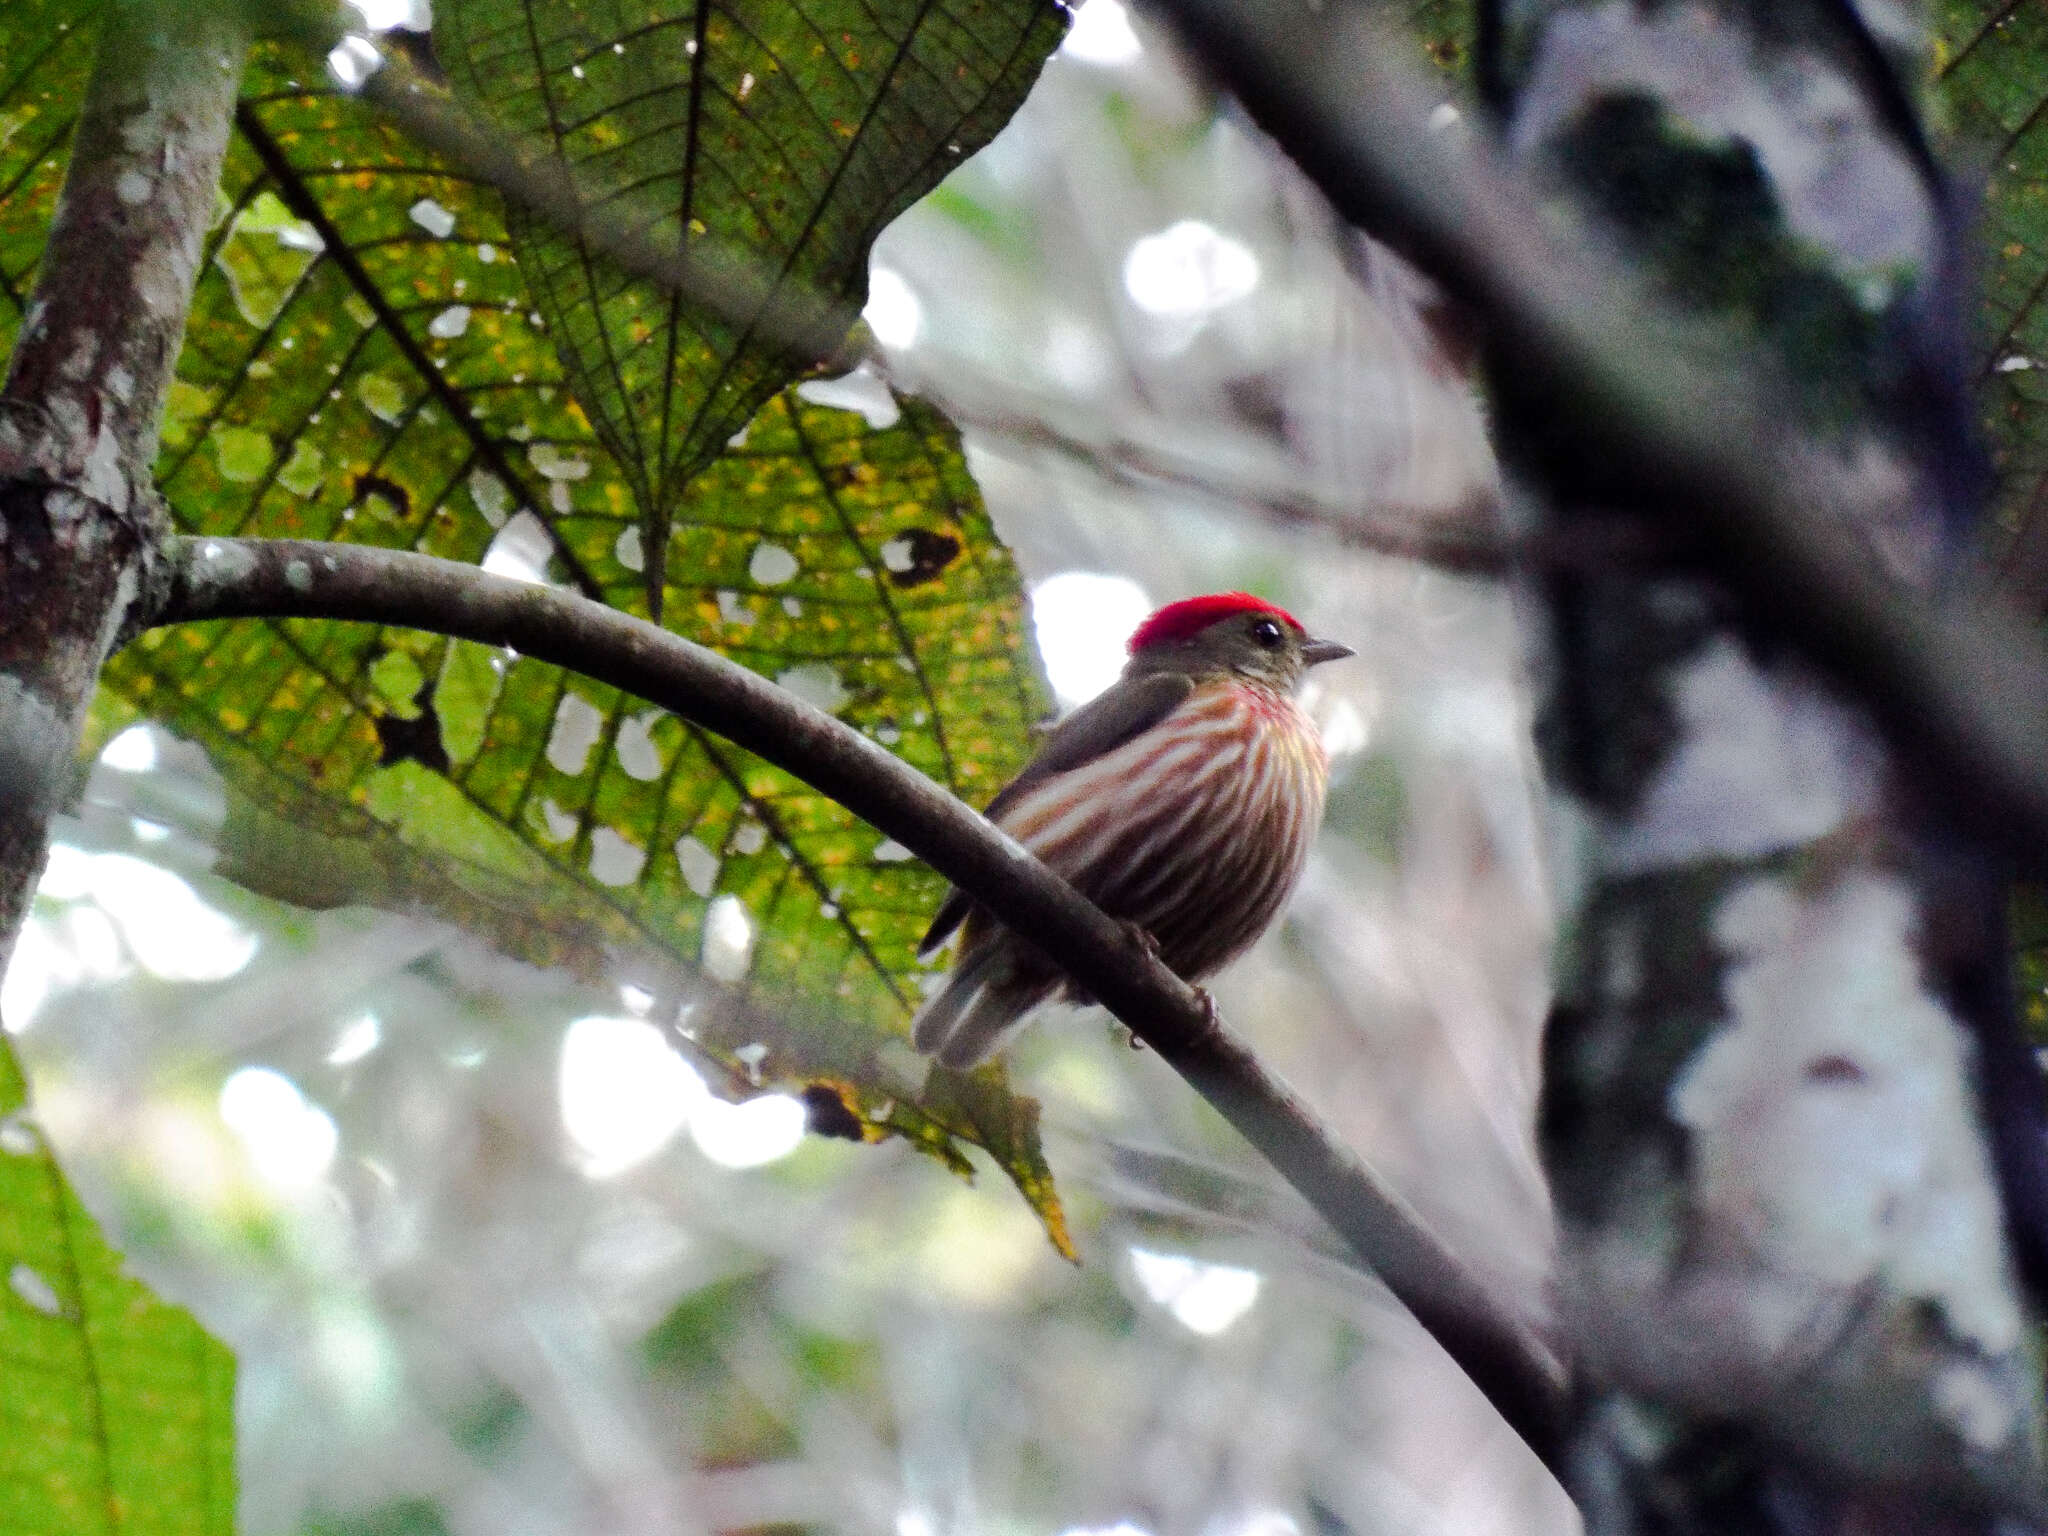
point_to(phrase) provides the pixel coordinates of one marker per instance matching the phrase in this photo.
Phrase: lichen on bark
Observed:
(1784, 1255)
(80, 528)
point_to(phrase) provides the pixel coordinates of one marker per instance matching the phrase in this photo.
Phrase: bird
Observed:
(1181, 801)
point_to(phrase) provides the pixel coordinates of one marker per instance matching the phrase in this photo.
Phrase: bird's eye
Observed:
(1267, 633)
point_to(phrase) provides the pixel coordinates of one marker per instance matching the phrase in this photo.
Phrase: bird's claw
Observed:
(1211, 1019)
(1139, 936)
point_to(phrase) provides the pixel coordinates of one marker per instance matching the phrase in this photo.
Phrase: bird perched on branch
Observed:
(1182, 800)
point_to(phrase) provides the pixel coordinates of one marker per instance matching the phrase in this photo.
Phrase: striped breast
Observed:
(1196, 829)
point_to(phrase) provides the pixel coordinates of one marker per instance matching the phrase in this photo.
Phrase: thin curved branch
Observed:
(1644, 411)
(264, 578)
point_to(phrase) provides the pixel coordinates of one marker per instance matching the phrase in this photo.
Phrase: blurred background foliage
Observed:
(490, 1253)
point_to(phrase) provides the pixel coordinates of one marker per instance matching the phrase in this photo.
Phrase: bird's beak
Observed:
(1317, 651)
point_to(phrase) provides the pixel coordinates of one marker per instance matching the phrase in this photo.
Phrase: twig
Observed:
(1649, 412)
(261, 578)
(1465, 539)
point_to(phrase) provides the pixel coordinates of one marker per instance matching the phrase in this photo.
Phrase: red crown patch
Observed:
(1192, 615)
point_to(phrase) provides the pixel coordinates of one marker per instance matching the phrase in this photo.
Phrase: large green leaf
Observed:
(363, 364)
(117, 1414)
(793, 130)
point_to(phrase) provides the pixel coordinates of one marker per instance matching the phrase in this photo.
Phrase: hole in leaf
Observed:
(827, 1112)
(919, 556)
(396, 501)
(399, 739)
(416, 740)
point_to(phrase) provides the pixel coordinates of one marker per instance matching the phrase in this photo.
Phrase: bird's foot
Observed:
(1140, 937)
(1211, 1019)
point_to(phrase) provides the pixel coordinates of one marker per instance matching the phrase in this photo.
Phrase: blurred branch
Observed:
(726, 282)
(261, 578)
(1463, 540)
(1466, 540)
(1645, 413)
(732, 286)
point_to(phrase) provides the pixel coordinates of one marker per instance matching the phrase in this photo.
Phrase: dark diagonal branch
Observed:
(258, 578)
(708, 274)
(1643, 411)
(809, 328)
(725, 282)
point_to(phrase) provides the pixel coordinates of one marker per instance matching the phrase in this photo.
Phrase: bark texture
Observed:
(80, 525)
(1785, 1260)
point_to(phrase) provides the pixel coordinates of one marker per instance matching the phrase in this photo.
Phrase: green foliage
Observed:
(1992, 65)
(377, 354)
(719, 1356)
(1701, 214)
(401, 1517)
(376, 372)
(794, 131)
(45, 52)
(1446, 29)
(117, 1412)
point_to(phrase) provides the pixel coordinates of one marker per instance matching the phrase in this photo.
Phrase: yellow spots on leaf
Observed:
(243, 453)
(184, 407)
(302, 475)
(381, 397)
(396, 677)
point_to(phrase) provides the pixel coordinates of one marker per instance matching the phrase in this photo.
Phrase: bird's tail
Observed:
(984, 999)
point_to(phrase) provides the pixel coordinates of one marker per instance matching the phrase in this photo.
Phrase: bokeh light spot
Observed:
(133, 751)
(1189, 270)
(1203, 1298)
(624, 1092)
(893, 312)
(1101, 34)
(290, 1142)
(357, 1039)
(750, 1133)
(1083, 619)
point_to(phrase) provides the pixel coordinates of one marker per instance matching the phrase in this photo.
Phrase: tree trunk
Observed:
(1785, 1256)
(81, 528)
